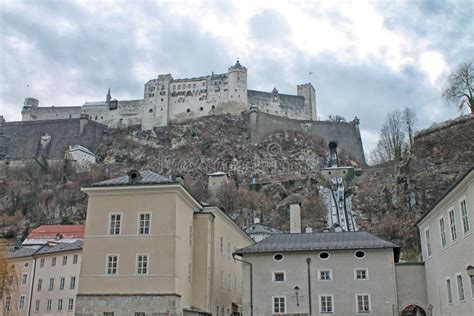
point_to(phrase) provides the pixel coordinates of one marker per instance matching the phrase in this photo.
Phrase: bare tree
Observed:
(409, 116)
(336, 118)
(460, 88)
(392, 142)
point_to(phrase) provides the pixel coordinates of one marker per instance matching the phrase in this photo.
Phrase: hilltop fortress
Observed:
(167, 100)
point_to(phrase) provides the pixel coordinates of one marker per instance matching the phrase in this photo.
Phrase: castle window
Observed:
(189, 86)
(194, 86)
(101, 117)
(150, 110)
(151, 95)
(152, 89)
(161, 109)
(162, 87)
(174, 87)
(188, 110)
(162, 100)
(179, 87)
(96, 118)
(238, 78)
(189, 94)
(213, 107)
(201, 108)
(204, 84)
(174, 94)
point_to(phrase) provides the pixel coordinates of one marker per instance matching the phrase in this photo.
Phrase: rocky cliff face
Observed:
(388, 198)
(391, 197)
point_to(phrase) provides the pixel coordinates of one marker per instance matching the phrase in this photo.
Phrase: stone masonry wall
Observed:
(126, 305)
(22, 140)
(345, 134)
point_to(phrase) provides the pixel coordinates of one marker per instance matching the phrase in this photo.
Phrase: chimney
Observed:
(308, 230)
(295, 219)
(179, 178)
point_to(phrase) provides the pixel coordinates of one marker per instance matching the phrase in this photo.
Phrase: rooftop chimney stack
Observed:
(295, 219)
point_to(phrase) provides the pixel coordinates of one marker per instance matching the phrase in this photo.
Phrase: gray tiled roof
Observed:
(261, 229)
(65, 246)
(317, 241)
(23, 252)
(28, 251)
(147, 177)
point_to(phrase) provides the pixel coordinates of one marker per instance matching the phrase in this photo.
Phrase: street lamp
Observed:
(297, 292)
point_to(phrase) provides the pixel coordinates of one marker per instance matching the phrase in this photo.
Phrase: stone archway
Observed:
(413, 310)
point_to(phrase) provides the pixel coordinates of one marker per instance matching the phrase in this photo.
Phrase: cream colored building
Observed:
(447, 241)
(46, 280)
(151, 248)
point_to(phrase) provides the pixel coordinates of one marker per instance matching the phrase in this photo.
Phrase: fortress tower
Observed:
(237, 78)
(307, 91)
(30, 107)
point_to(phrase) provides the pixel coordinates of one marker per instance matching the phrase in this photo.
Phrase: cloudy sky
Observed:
(366, 58)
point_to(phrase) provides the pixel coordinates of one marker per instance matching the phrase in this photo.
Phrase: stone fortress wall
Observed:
(167, 101)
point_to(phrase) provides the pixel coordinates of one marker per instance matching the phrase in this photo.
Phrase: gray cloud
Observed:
(64, 49)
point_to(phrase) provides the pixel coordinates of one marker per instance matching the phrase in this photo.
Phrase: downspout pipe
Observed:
(308, 261)
(251, 281)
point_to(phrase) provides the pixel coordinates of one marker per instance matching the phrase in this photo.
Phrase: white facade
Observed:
(82, 157)
(167, 100)
(447, 242)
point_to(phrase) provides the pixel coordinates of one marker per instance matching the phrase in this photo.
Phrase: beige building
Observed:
(151, 248)
(46, 280)
(448, 250)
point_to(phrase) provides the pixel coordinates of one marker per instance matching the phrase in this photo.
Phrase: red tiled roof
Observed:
(50, 231)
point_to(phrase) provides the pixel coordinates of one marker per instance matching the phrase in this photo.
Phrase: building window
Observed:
(48, 305)
(108, 313)
(115, 221)
(452, 222)
(150, 110)
(53, 262)
(8, 301)
(324, 255)
(428, 242)
(279, 276)
(42, 263)
(279, 305)
(448, 289)
(363, 303)
(361, 274)
(72, 284)
(64, 260)
(460, 287)
(326, 303)
(278, 257)
(359, 254)
(222, 279)
(142, 264)
(325, 275)
(60, 304)
(222, 245)
(190, 235)
(37, 305)
(112, 264)
(75, 259)
(61, 283)
(40, 285)
(228, 250)
(21, 302)
(144, 223)
(465, 218)
(190, 272)
(24, 278)
(51, 284)
(140, 314)
(472, 286)
(442, 232)
(70, 305)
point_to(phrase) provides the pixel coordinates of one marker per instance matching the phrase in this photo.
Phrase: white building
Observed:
(168, 100)
(448, 250)
(82, 157)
